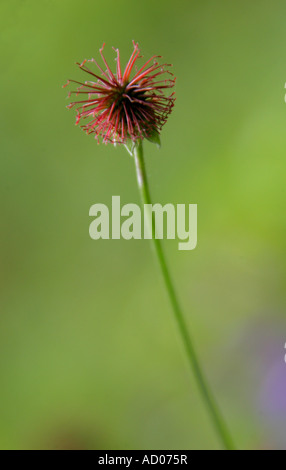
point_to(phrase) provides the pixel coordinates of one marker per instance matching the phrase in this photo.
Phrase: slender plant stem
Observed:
(213, 409)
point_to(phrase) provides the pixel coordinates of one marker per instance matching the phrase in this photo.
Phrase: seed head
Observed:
(127, 105)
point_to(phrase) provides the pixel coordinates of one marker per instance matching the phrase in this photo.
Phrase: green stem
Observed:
(216, 416)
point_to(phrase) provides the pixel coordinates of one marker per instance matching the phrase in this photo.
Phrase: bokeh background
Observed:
(89, 353)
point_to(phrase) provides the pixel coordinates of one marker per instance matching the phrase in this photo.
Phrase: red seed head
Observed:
(125, 105)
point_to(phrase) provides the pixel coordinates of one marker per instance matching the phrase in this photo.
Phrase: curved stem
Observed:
(216, 416)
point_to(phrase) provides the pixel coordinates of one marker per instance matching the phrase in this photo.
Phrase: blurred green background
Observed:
(89, 354)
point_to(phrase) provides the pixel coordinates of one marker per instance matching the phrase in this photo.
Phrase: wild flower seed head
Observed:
(124, 105)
